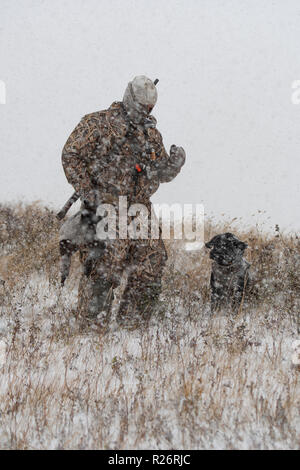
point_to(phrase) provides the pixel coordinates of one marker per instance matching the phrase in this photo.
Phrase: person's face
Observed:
(144, 109)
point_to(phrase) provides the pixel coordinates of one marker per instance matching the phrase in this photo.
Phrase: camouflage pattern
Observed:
(100, 160)
(139, 98)
(100, 155)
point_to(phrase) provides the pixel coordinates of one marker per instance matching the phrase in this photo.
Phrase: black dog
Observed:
(229, 274)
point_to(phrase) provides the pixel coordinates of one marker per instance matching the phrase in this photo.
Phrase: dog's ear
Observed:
(212, 242)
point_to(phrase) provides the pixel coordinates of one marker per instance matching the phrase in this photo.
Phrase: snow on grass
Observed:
(187, 380)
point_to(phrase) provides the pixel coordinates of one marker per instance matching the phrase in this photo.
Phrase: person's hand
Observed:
(177, 156)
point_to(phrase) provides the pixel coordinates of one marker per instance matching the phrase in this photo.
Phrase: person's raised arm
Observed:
(168, 166)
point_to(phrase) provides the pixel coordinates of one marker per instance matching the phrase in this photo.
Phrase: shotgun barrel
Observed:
(61, 214)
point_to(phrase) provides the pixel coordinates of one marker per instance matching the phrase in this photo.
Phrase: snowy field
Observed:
(187, 381)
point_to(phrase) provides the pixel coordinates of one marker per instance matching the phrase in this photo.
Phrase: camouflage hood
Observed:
(139, 98)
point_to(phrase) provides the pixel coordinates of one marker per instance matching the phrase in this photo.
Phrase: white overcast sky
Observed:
(225, 67)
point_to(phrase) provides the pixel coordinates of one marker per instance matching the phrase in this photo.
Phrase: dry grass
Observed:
(189, 380)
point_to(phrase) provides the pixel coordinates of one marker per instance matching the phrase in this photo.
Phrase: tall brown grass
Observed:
(188, 380)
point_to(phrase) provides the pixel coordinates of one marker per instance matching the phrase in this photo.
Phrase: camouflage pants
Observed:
(143, 261)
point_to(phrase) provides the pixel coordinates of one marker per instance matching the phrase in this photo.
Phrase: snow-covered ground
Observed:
(189, 380)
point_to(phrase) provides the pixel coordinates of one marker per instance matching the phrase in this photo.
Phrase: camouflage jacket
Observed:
(111, 156)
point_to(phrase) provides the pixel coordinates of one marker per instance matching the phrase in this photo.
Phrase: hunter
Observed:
(112, 153)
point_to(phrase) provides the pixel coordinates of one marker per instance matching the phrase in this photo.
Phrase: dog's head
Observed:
(226, 249)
